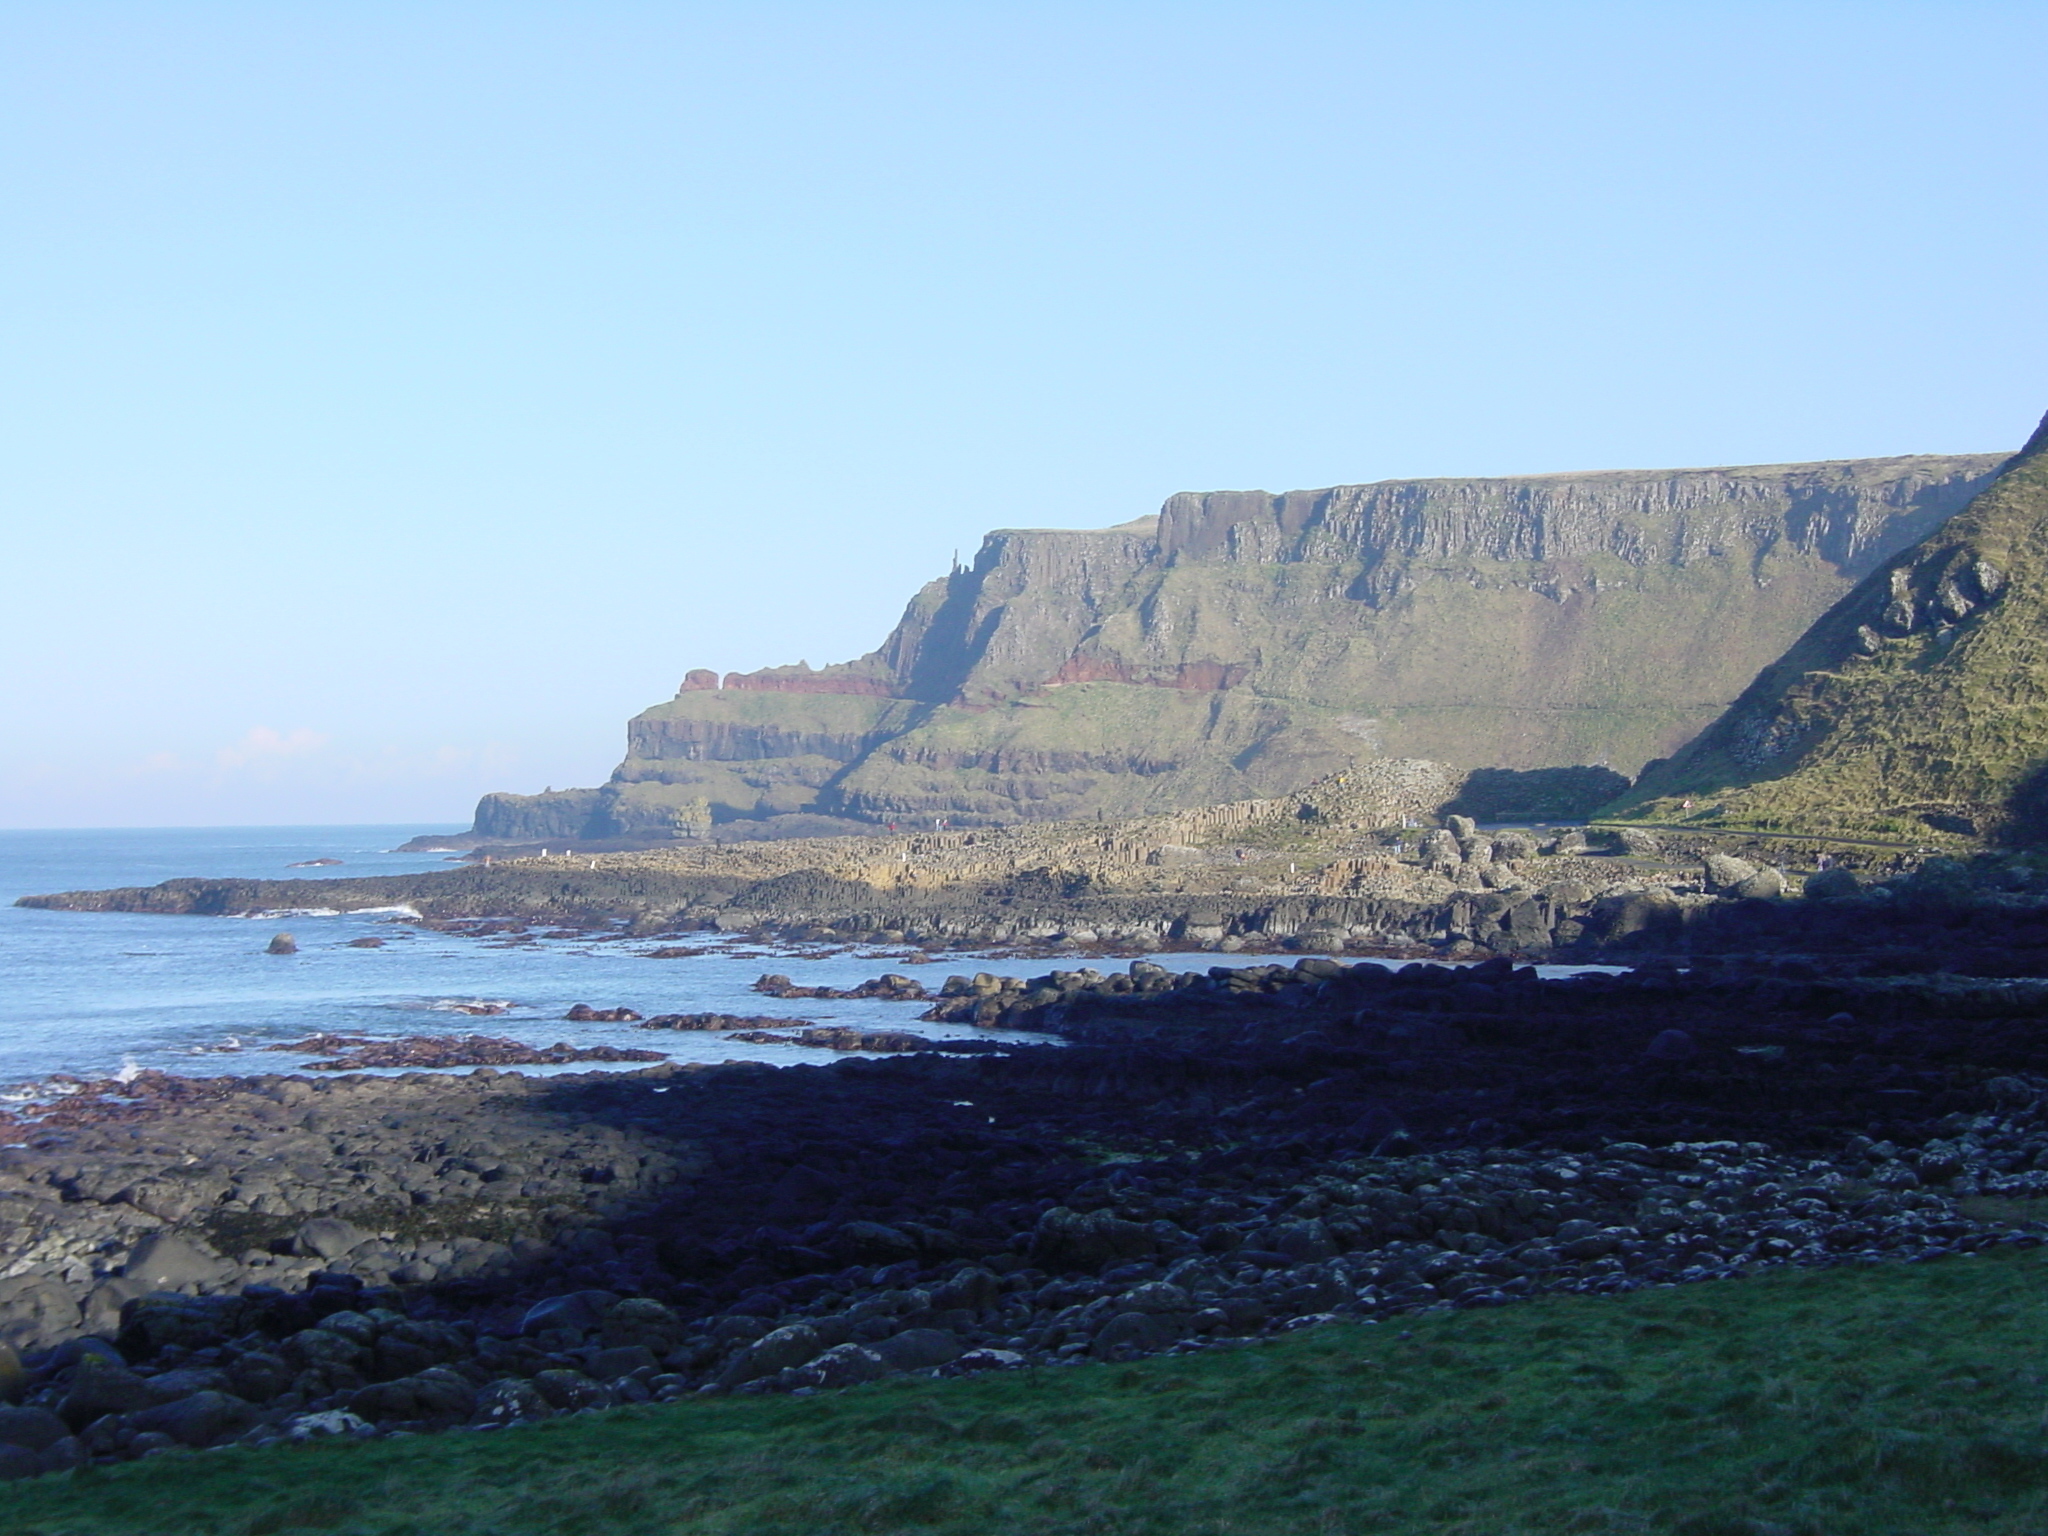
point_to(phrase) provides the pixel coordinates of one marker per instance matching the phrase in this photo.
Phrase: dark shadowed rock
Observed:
(438, 1395)
(35, 1428)
(621, 1360)
(579, 1312)
(643, 1321)
(918, 1349)
(100, 1387)
(869, 1242)
(199, 1420)
(1671, 1045)
(1833, 884)
(259, 1376)
(796, 1344)
(1067, 1239)
(1134, 1330)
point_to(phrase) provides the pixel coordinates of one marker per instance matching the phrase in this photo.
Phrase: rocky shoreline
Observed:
(204, 1262)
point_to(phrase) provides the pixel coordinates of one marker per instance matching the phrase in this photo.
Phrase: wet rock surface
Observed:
(357, 1053)
(841, 1037)
(1211, 1156)
(716, 1021)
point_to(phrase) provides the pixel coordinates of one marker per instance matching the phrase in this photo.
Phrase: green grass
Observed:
(1903, 1399)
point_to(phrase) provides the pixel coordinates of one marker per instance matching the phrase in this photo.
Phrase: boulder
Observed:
(149, 1323)
(918, 1349)
(1067, 1239)
(971, 1290)
(326, 1237)
(844, 1365)
(281, 944)
(1514, 845)
(1723, 872)
(578, 1312)
(36, 1429)
(105, 1303)
(67, 1455)
(18, 1463)
(566, 1391)
(164, 1261)
(259, 1376)
(36, 1312)
(621, 1360)
(643, 1321)
(1638, 843)
(869, 1242)
(438, 1395)
(13, 1374)
(1440, 851)
(326, 1423)
(1765, 885)
(1305, 1242)
(1671, 1045)
(1833, 884)
(203, 1419)
(1141, 1331)
(796, 1344)
(1622, 913)
(1157, 1297)
(100, 1387)
(185, 1380)
(511, 1401)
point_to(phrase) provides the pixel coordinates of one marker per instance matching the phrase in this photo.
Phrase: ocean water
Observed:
(93, 993)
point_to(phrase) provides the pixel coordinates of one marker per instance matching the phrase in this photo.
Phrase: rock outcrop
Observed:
(1244, 644)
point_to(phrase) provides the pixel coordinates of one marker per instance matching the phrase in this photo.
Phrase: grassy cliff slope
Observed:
(1917, 702)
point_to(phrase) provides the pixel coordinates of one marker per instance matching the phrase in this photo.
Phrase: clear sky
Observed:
(399, 396)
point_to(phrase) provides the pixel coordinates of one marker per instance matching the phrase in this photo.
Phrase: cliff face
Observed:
(1243, 644)
(1918, 703)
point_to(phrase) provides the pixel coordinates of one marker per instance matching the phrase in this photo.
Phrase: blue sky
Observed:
(399, 396)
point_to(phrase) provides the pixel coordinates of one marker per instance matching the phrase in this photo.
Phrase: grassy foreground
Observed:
(1902, 1399)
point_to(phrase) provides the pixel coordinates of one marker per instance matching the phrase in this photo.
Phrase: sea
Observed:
(98, 994)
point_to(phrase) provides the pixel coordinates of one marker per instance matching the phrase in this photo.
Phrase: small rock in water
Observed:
(282, 944)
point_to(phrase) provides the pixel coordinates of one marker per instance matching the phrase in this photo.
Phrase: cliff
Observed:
(1242, 644)
(1916, 705)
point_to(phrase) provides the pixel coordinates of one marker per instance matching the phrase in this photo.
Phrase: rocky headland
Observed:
(1242, 645)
